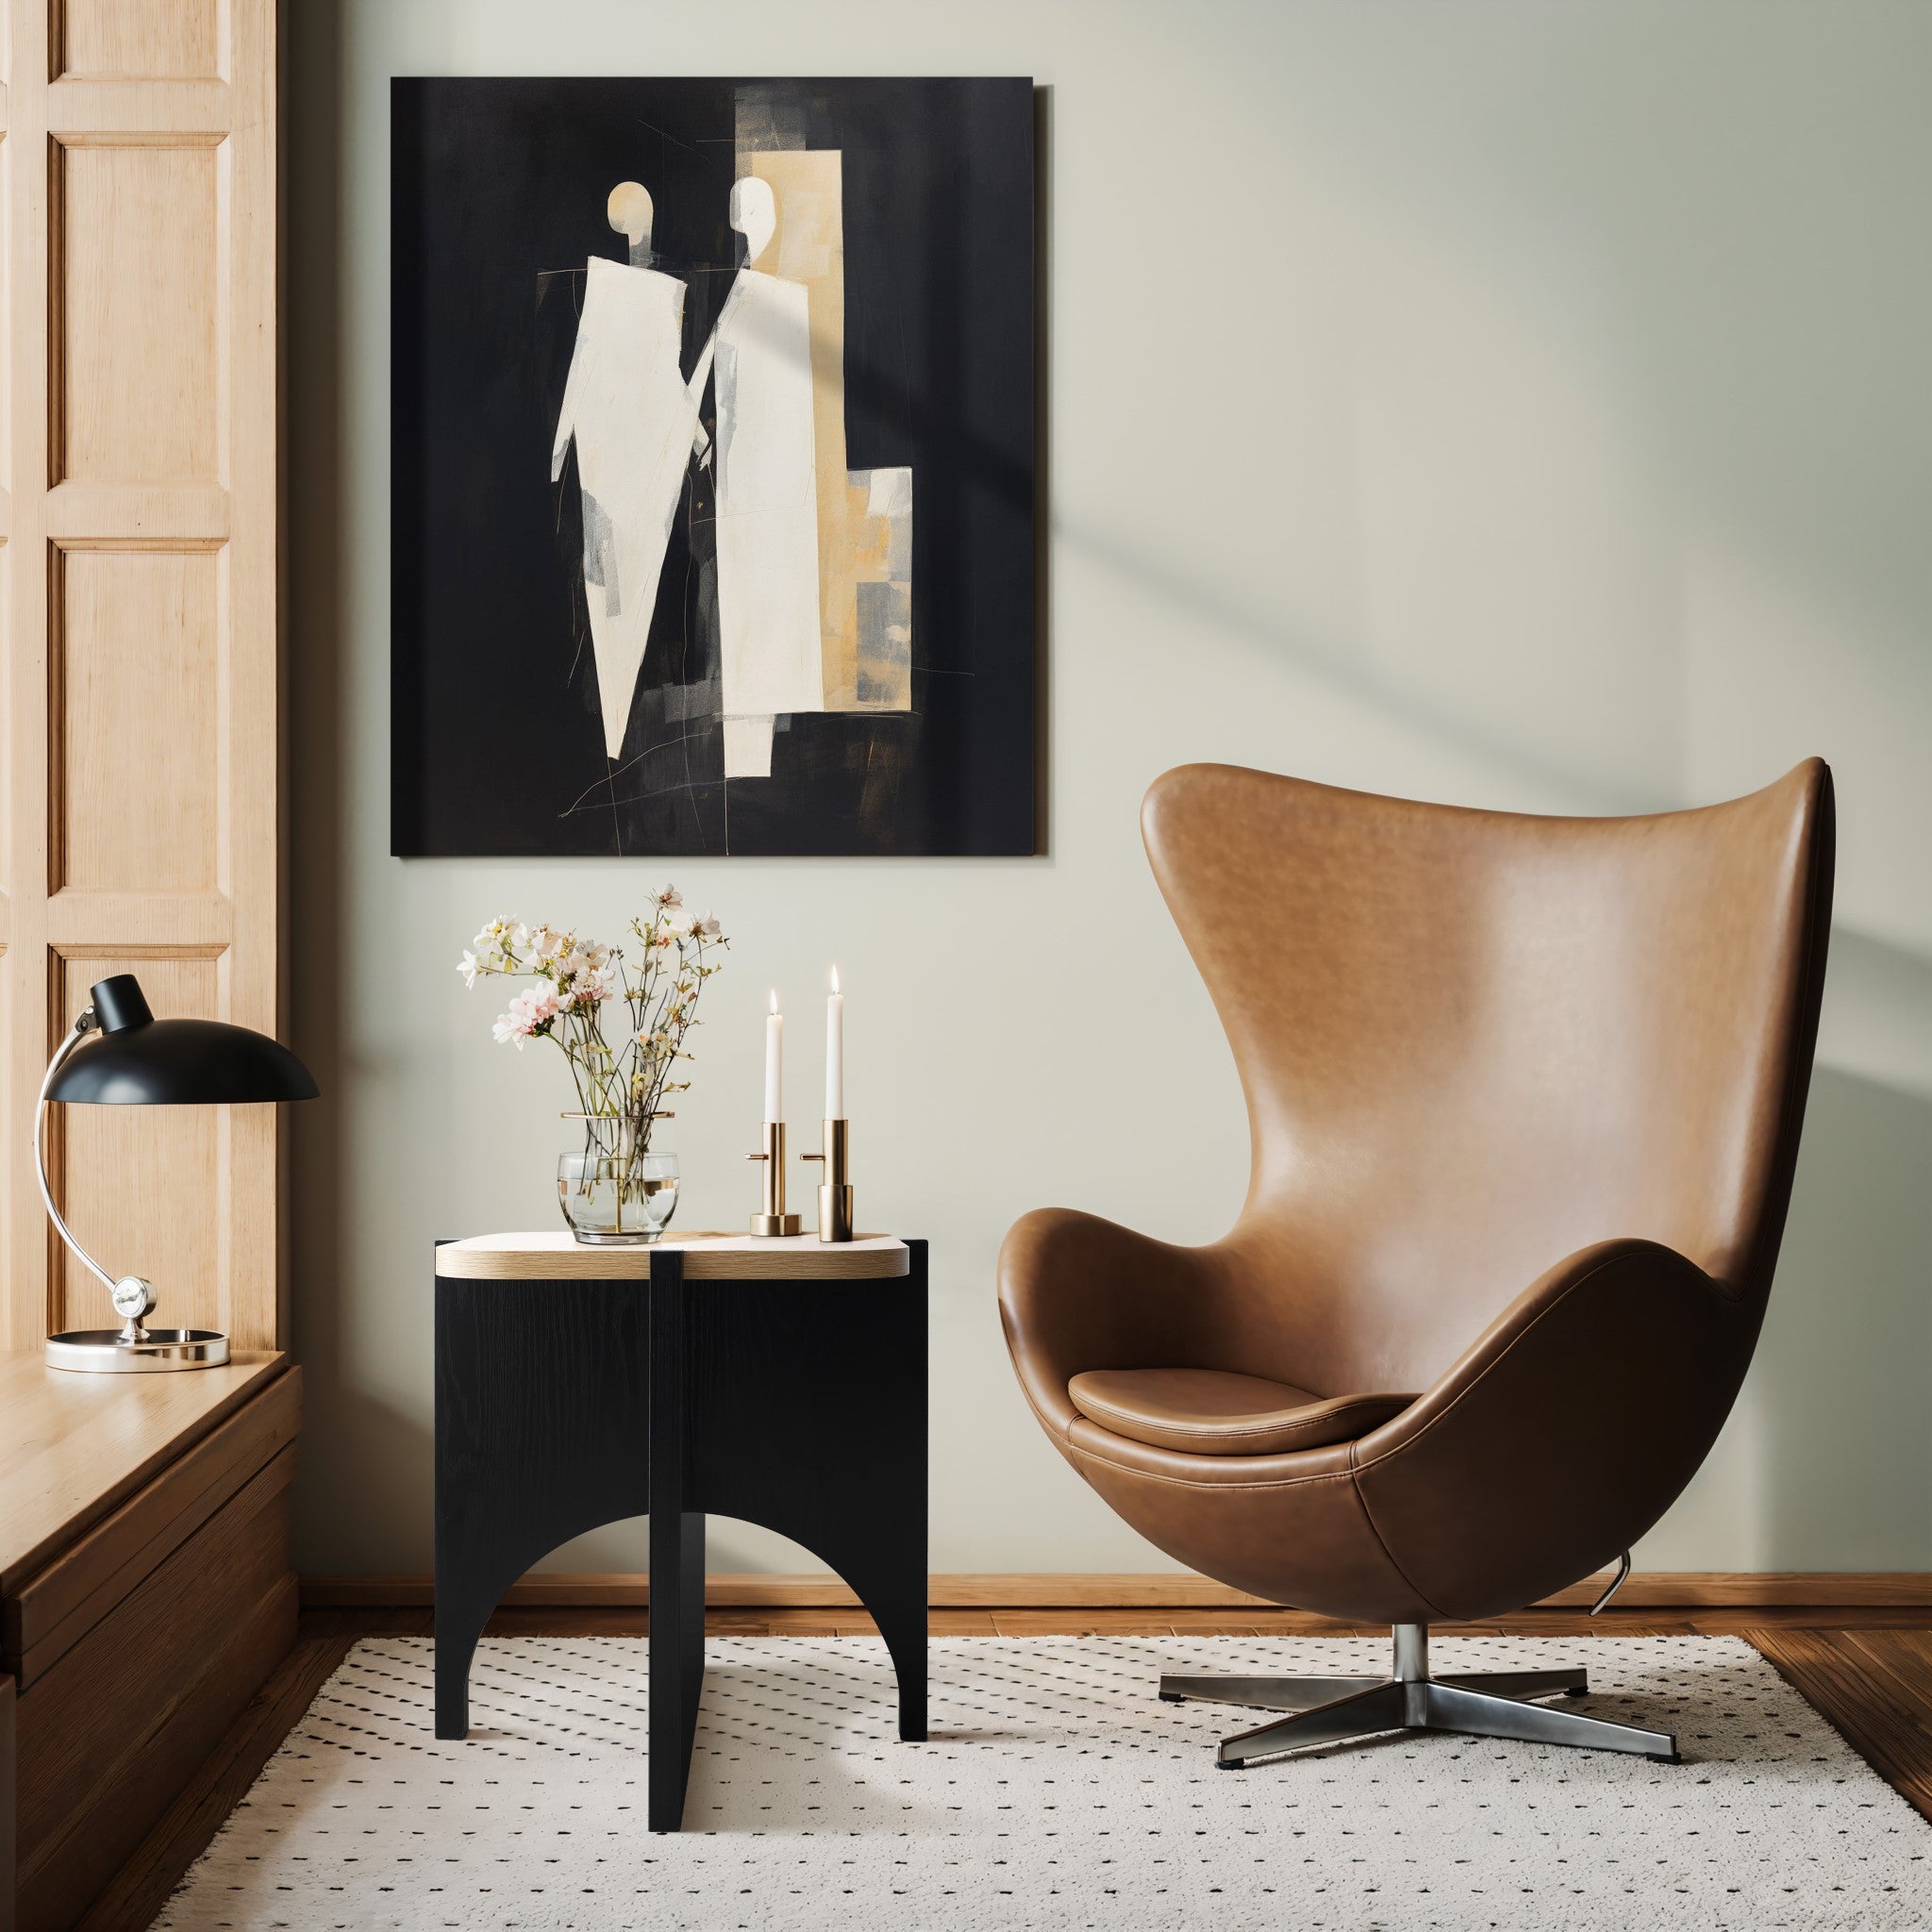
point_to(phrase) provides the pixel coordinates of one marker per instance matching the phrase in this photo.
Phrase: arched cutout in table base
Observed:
(460, 1627)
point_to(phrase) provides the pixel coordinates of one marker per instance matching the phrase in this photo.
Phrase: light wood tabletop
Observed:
(557, 1256)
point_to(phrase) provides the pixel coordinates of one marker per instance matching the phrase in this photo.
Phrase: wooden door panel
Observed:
(137, 669)
(137, 40)
(137, 295)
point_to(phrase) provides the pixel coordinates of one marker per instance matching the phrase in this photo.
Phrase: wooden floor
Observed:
(1868, 1671)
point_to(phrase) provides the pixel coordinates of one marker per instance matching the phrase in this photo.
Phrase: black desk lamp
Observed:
(142, 1062)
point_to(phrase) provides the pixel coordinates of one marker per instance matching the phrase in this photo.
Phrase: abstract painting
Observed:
(712, 514)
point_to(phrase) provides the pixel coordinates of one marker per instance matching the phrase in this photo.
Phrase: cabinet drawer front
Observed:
(53, 1610)
(105, 1736)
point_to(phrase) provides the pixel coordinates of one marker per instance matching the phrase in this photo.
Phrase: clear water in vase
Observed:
(614, 1191)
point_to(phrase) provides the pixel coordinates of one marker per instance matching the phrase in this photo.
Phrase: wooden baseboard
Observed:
(1646, 1590)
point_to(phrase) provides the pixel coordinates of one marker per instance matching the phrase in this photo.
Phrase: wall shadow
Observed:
(356, 1444)
(1837, 1408)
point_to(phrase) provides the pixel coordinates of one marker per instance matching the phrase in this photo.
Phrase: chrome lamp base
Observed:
(1482, 1704)
(109, 1352)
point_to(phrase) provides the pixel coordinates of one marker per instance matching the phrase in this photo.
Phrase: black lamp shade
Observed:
(142, 1062)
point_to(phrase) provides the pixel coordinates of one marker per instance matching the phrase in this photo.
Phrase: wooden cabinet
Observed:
(145, 1594)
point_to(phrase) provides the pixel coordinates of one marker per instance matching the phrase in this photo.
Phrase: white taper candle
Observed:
(775, 1062)
(835, 1052)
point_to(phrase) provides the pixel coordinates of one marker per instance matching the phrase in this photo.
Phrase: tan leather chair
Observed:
(1524, 1096)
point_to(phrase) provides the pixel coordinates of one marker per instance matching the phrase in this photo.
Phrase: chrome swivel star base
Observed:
(1483, 1704)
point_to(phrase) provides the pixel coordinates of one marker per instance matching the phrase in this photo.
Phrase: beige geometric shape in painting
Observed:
(864, 516)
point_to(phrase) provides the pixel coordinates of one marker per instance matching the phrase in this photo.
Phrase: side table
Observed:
(782, 1382)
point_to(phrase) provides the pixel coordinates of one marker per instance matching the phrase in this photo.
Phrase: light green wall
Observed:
(1524, 406)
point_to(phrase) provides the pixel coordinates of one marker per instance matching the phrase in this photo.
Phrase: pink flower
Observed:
(530, 1014)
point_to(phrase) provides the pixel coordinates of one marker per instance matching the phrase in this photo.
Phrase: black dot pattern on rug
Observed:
(1057, 1791)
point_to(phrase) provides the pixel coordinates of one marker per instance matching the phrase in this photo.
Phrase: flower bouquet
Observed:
(617, 1190)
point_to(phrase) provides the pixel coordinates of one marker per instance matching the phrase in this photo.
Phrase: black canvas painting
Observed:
(713, 420)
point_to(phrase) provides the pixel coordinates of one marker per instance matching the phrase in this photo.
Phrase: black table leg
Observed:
(905, 1635)
(677, 1553)
(540, 1436)
(808, 1415)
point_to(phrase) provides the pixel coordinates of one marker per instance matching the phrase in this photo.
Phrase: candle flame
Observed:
(835, 979)
(774, 999)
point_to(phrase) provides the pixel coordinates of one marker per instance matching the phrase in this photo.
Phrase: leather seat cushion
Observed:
(1212, 1412)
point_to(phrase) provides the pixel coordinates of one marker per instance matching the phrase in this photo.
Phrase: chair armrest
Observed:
(1078, 1292)
(1563, 1432)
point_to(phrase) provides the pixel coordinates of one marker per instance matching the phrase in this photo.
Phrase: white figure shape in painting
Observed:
(767, 494)
(626, 405)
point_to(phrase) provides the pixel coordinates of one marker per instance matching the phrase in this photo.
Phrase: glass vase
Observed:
(617, 1190)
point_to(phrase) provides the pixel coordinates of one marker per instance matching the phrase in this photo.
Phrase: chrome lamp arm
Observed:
(133, 1298)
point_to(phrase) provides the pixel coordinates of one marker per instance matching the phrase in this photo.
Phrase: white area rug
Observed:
(1057, 1791)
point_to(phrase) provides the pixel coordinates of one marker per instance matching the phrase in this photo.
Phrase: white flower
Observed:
(592, 985)
(584, 976)
(497, 946)
(469, 966)
(704, 926)
(546, 944)
(670, 899)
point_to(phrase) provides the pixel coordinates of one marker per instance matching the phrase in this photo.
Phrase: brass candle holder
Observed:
(835, 1194)
(773, 1220)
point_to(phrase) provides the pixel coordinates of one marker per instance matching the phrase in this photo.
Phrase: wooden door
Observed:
(138, 800)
